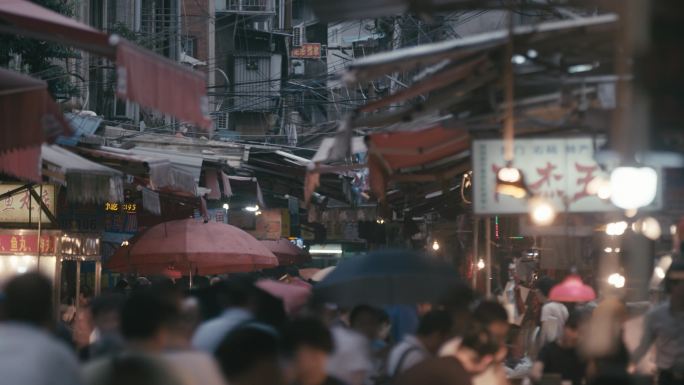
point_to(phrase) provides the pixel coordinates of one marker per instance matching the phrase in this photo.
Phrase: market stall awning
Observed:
(86, 180)
(28, 117)
(426, 54)
(414, 156)
(160, 172)
(142, 76)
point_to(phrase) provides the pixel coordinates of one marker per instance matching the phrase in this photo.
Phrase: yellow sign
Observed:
(22, 207)
(124, 207)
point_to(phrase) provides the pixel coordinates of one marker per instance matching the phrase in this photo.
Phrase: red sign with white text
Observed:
(27, 244)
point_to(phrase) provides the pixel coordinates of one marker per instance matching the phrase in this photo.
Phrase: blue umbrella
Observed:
(388, 277)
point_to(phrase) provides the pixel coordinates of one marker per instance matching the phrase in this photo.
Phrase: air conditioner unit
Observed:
(297, 36)
(221, 120)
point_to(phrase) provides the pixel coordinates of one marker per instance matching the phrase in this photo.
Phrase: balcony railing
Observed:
(246, 6)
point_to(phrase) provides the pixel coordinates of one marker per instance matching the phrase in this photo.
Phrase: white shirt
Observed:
(409, 352)
(30, 356)
(209, 334)
(195, 367)
(553, 318)
(350, 357)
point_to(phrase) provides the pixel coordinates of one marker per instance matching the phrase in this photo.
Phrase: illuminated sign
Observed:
(121, 207)
(307, 51)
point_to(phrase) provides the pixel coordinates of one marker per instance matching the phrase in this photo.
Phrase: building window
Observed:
(189, 44)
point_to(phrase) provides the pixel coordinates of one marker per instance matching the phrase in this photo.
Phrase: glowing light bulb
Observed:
(616, 228)
(542, 211)
(616, 280)
(435, 245)
(480, 264)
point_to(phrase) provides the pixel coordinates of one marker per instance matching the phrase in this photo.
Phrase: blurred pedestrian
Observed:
(29, 354)
(434, 330)
(562, 357)
(553, 314)
(664, 327)
(308, 345)
(473, 356)
(106, 338)
(194, 366)
(250, 355)
(352, 360)
(493, 317)
(233, 298)
(146, 322)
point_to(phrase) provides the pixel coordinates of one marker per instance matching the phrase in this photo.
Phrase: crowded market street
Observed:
(358, 192)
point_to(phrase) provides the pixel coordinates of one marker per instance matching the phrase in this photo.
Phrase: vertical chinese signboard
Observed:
(558, 169)
(22, 207)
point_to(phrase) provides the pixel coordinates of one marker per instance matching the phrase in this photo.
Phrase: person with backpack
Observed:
(433, 330)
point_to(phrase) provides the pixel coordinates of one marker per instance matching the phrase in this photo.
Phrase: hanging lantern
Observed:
(572, 289)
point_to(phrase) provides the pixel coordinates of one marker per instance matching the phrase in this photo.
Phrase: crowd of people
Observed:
(231, 332)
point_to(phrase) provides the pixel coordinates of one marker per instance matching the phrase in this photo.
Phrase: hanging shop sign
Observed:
(558, 169)
(307, 51)
(22, 207)
(27, 244)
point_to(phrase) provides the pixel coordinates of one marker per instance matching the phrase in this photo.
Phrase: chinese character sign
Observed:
(557, 169)
(27, 244)
(307, 51)
(22, 207)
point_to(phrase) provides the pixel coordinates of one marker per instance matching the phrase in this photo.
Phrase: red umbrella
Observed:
(287, 252)
(193, 246)
(572, 289)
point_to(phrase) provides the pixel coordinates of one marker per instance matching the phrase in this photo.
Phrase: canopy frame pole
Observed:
(488, 251)
(476, 249)
(40, 228)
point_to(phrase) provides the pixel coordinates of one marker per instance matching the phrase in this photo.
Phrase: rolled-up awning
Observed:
(144, 77)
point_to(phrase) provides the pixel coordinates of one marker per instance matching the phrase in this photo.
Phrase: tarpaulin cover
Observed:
(86, 180)
(191, 245)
